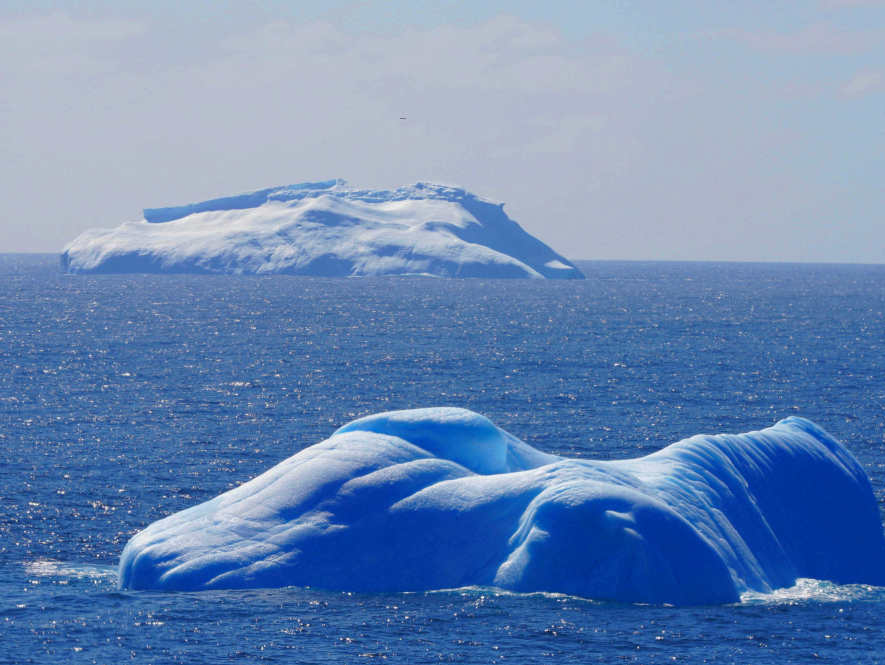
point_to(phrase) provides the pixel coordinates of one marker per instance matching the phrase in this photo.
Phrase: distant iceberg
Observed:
(442, 498)
(328, 229)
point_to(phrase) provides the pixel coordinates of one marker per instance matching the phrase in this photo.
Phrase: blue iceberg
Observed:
(442, 498)
(328, 229)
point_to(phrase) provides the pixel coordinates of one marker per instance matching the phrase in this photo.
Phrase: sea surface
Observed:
(125, 398)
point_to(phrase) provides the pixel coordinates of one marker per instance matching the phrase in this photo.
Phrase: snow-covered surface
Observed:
(442, 498)
(325, 228)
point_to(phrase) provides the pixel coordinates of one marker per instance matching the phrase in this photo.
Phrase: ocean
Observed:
(124, 398)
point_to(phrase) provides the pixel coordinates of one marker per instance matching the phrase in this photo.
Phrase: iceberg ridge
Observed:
(442, 498)
(325, 228)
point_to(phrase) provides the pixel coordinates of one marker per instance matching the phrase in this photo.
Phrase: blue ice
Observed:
(442, 498)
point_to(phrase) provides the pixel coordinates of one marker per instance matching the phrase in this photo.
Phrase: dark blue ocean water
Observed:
(124, 398)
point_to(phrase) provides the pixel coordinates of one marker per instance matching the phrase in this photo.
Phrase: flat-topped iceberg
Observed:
(442, 498)
(328, 229)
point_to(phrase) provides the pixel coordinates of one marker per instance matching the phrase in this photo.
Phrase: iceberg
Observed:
(327, 229)
(442, 498)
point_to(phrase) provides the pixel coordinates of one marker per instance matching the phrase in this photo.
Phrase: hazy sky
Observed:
(724, 129)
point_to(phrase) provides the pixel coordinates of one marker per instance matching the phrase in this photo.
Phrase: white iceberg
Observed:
(328, 229)
(442, 498)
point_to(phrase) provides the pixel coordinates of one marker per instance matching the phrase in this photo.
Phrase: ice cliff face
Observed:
(442, 498)
(328, 229)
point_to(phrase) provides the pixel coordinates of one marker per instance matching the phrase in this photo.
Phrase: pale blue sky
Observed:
(612, 130)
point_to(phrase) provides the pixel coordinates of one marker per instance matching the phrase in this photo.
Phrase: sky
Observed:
(683, 130)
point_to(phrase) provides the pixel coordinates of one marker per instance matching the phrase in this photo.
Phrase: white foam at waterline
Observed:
(51, 568)
(821, 591)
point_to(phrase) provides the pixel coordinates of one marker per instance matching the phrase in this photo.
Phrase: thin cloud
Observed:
(863, 83)
(62, 45)
(846, 4)
(815, 38)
